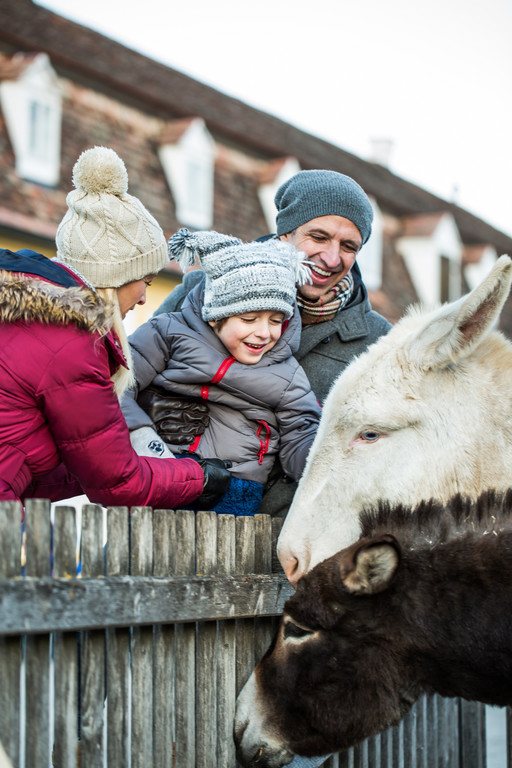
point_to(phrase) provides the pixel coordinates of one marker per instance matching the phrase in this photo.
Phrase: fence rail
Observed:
(137, 660)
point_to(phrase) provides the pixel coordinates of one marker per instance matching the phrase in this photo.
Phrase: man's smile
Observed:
(319, 271)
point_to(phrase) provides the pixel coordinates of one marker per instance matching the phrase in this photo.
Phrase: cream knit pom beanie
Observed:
(107, 235)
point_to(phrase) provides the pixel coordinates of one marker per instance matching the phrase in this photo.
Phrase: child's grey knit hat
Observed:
(309, 194)
(241, 277)
(107, 235)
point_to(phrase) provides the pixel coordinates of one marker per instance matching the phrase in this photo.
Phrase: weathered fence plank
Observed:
(361, 755)
(92, 647)
(118, 645)
(38, 605)
(448, 732)
(410, 727)
(471, 728)
(509, 736)
(10, 647)
(65, 741)
(185, 752)
(226, 648)
(141, 554)
(164, 536)
(432, 727)
(206, 646)
(374, 751)
(386, 749)
(37, 648)
(421, 733)
(263, 628)
(244, 559)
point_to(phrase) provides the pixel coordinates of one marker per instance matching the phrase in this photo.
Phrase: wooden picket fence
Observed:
(137, 660)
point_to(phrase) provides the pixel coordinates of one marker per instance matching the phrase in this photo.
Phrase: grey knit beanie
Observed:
(241, 277)
(107, 235)
(310, 194)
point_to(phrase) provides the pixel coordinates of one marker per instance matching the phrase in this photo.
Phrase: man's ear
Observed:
(369, 566)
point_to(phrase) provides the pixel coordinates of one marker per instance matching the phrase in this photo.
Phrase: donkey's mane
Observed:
(434, 523)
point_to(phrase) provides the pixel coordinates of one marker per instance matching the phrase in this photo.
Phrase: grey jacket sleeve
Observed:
(150, 348)
(298, 417)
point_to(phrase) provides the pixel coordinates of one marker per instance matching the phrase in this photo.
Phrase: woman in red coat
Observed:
(64, 356)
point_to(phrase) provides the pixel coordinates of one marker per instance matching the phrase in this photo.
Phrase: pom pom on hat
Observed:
(100, 171)
(107, 235)
(241, 277)
(185, 245)
(181, 248)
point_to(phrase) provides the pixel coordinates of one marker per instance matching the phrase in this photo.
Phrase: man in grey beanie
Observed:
(328, 216)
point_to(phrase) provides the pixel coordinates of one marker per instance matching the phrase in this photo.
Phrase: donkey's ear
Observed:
(369, 565)
(453, 331)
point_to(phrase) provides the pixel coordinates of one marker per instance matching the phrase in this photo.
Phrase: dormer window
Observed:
(432, 251)
(39, 129)
(369, 257)
(187, 154)
(31, 102)
(275, 173)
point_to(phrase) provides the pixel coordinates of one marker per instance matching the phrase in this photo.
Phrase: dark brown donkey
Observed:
(421, 603)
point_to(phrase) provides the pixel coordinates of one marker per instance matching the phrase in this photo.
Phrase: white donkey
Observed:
(426, 412)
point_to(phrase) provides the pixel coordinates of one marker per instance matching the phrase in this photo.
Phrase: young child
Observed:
(232, 344)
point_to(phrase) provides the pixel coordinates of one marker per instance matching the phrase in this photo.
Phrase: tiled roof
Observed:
(12, 67)
(90, 57)
(174, 131)
(472, 254)
(421, 225)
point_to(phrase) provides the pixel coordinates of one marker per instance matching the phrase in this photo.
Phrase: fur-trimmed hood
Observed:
(27, 298)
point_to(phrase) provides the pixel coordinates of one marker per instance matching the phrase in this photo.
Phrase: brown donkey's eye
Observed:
(292, 630)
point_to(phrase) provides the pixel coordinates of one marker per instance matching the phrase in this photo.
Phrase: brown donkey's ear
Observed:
(369, 565)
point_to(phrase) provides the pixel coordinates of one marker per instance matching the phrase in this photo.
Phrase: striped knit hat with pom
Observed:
(107, 235)
(242, 277)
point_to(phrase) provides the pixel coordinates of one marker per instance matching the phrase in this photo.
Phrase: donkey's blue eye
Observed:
(370, 436)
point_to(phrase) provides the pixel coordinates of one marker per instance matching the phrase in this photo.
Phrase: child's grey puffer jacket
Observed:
(256, 411)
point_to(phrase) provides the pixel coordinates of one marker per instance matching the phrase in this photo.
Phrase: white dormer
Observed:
(432, 251)
(369, 257)
(275, 174)
(31, 102)
(187, 154)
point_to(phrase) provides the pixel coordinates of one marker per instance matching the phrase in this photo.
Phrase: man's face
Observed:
(331, 243)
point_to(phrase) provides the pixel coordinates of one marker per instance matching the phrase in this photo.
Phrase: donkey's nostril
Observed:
(294, 561)
(292, 569)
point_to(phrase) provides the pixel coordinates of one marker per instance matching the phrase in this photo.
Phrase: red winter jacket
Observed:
(62, 432)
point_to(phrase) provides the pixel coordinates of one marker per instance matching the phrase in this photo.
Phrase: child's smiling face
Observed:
(248, 336)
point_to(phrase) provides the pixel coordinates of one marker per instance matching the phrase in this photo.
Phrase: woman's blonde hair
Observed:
(123, 378)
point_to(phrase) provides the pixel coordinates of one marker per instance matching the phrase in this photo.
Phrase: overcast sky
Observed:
(434, 77)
